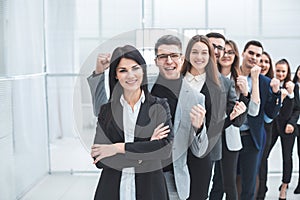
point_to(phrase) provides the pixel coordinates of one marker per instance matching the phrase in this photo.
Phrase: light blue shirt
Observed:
(245, 125)
(253, 107)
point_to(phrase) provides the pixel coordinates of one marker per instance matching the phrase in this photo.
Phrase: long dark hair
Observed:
(295, 79)
(211, 67)
(128, 52)
(270, 72)
(234, 69)
(288, 76)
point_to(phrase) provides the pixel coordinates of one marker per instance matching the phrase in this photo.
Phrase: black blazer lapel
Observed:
(144, 120)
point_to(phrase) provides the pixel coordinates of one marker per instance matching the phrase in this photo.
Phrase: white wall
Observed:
(275, 23)
(23, 137)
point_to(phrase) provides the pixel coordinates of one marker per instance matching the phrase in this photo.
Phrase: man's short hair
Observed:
(168, 40)
(254, 43)
(215, 35)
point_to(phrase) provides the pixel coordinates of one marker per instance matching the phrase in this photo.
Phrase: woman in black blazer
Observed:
(133, 135)
(296, 117)
(284, 125)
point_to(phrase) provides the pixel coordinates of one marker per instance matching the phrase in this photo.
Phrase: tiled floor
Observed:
(62, 186)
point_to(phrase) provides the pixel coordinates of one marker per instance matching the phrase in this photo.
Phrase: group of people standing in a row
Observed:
(205, 109)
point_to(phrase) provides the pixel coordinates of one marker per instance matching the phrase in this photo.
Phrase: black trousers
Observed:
(224, 179)
(200, 173)
(263, 170)
(298, 145)
(287, 145)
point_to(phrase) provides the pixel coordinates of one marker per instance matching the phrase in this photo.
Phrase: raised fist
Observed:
(102, 63)
(275, 83)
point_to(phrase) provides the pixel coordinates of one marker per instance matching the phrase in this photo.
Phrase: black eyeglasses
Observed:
(164, 57)
(229, 53)
(219, 47)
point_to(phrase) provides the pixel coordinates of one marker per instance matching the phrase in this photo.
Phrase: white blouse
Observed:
(127, 185)
(195, 82)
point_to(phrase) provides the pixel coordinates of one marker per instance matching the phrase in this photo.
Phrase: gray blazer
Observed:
(184, 134)
(185, 137)
(97, 87)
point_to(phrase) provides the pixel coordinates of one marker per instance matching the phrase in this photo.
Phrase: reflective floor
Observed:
(81, 186)
(61, 186)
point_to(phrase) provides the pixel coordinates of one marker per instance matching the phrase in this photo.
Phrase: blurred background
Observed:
(49, 48)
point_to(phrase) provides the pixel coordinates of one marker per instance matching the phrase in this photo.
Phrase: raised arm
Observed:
(198, 131)
(235, 110)
(274, 99)
(96, 82)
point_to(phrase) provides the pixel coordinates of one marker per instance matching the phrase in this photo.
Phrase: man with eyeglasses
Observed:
(181, 98)
(225, 160)
(187, 109)
(218, 42)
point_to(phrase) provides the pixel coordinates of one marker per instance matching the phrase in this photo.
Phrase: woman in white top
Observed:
(134, 133)
(200, 70)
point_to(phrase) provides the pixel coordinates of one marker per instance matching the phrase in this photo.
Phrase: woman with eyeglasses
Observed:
(201, 72)
(224, 180)
(133, 135)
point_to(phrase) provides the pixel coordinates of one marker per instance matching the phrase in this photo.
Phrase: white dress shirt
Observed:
(127, 185)
(195, 82)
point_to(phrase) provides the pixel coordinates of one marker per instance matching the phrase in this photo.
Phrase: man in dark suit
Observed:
(252, 129)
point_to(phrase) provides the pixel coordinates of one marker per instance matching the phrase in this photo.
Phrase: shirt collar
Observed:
(190, 77)
(281, 84)
(228, 76)
(141, 99)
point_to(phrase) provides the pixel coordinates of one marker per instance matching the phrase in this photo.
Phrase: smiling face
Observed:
(219, 46)
(130, 75)
(252, 56)
(264, 64)
(227, 59)
(199, 58)
(169, 61)
(281, 71)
